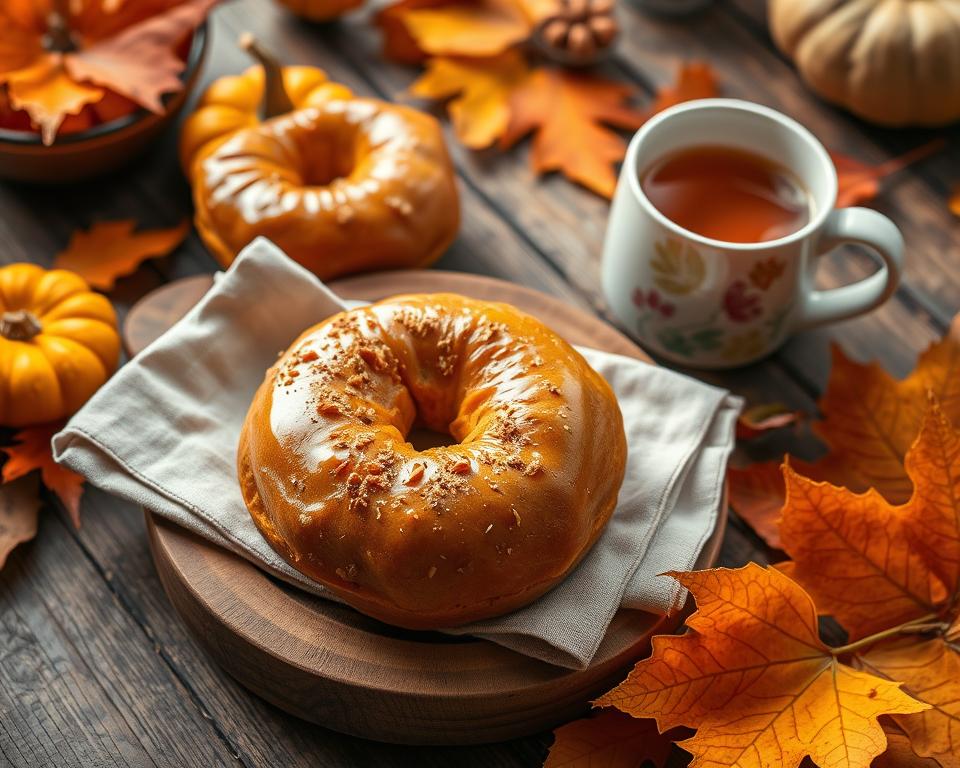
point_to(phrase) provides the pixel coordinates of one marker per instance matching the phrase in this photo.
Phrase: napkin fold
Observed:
(163, 433)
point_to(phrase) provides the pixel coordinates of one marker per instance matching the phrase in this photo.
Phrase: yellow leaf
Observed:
(481, 91)
(479, 28)
(568, 113)
(678, 267)
(111, 249)
(753, 677)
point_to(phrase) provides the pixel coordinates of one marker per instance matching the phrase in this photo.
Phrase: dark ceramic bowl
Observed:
(100, 149)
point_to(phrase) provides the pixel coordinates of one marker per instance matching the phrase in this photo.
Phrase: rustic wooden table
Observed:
(95, 667)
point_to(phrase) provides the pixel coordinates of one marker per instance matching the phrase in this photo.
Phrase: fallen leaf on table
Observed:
(759, 419)
(753, 677)
(32, 451)
(111, 249)
(19, 505)
(900, 754)
(480, 90)
(954, 202)
(860, 182)
(869, 422)
(140, 62)
(695, 80)
(129, 51)
(397, 42)
(850, 551)
(930, 670)
(610, 739)
(569, 113)
(472, 28)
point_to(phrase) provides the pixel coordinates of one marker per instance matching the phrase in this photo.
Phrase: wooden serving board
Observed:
(327, 663)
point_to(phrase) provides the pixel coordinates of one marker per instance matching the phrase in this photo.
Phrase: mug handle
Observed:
(866, 227)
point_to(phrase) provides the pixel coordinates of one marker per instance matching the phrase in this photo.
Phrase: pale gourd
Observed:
(892, 62)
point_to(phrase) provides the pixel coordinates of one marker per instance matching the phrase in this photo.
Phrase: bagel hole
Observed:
(324, 164)
(422, 438)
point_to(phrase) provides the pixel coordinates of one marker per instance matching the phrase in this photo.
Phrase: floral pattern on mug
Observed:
(678, 267)
(765, 273)
(740, 305)
(652, 300)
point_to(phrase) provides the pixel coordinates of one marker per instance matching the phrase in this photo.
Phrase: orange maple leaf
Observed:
(610, 739)
(569, 113)
(111, 249)
(125, 52)
(480, 90)
(869, 422)
(900, 753)
(397, 41)
(32, 451)
(849, 551)
(859, 182)
(930, 670)
(19, 505)
(755, 680)
(695, 80)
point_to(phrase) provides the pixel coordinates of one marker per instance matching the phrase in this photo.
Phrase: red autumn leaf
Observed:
(19, 504)
(859, 182)
(31, 450)
(611, 739)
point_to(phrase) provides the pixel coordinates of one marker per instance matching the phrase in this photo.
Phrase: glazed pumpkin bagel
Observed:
(344, 186)
(451, 534)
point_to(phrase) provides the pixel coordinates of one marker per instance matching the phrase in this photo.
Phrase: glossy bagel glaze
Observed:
(344, 186)
(452, 534)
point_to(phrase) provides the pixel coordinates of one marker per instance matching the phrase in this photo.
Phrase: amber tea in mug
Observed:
(728, 194)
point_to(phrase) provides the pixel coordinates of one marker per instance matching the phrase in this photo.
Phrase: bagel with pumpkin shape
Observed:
(432, 538)
(345, 186)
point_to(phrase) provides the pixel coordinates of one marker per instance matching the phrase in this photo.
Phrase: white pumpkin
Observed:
(893, 62)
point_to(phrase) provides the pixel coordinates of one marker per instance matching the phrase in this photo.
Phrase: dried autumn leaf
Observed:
(473, 28)
(397, 42)
(760, 419)
(32, 451)
(481, 88)
(569, 113)
(930, 670)
(850, 552)
(111, 249)
(695, 80)
(757, 493)
(755, 680)
(859, 183)
(899, 753)
(931, 519)
(140, 62)
(19, 505)
(57, 57)
(609, 739)
(954, 202)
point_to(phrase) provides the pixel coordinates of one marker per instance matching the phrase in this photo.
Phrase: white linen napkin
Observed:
(163, 434)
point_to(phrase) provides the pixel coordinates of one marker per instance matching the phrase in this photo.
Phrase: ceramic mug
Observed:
(711, 304)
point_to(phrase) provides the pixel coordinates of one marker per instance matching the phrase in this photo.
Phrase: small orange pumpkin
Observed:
(320, 10)
(58, 344)
(265, 90)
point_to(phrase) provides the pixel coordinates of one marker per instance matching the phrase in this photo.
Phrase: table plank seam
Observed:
(148, 633)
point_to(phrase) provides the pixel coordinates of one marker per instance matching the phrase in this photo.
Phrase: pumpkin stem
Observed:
(19, 325)
(276, 100)
(58, 37)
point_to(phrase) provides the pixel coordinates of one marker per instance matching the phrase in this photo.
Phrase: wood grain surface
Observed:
(328, 664)
(97, 670)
